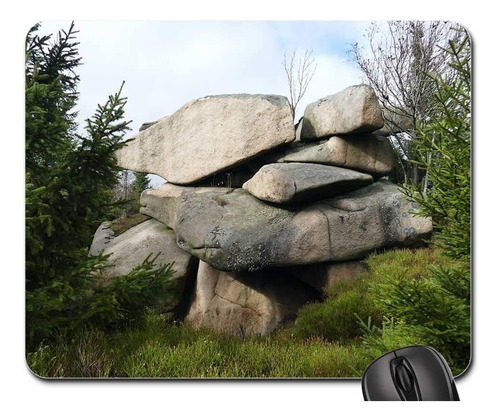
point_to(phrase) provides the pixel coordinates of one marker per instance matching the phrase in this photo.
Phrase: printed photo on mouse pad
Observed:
(245, 199)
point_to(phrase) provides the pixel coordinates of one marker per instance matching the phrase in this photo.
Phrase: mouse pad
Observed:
(227, 199)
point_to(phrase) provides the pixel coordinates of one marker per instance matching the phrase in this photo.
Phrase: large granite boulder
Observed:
(209, 135)
(246, 304)
(234, 231)
(353, 110)
(296, 182)
(364, 152)
(151, 237)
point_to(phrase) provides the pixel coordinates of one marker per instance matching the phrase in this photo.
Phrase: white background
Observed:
(24, 396)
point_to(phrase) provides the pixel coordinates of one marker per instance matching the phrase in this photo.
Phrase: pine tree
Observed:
(51, 95)
(71, 175)
(443, 146)
(69, 183)
(141, 182)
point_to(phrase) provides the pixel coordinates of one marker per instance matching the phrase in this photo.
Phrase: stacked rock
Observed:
(295, 213)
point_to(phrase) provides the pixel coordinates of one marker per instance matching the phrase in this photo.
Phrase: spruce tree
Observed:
(443, 146)
(69, 176)
(141, 182)
(69, 182)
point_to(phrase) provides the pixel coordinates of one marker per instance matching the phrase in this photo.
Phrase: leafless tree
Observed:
(124, 191)
(396, 62)
(299, 72)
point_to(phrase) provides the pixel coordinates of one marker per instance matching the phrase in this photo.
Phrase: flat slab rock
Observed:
(132, 247)
(364, 152)
(295, 182)
(234, 231)
(246, 304)
(209, 135)
(353, 110)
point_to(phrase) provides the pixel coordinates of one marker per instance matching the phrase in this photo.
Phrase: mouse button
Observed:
(377, 381)
(430, 374)
(404, 378)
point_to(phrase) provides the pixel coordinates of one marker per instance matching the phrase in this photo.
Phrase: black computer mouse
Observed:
(415, 373)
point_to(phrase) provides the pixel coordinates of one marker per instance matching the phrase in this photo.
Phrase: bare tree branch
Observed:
(398, 59)
(299, 73)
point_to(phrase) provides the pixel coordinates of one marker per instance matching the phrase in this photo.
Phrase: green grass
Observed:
(162, 350)
(407, 297)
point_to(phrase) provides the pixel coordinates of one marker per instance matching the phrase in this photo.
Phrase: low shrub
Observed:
(126, 221)
(407, 297)
(432, 310)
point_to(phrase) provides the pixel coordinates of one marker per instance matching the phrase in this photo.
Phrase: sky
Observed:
(166, 64)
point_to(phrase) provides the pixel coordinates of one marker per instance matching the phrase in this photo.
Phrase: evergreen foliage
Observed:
(51, 95)
(407, 297)
(69, 176)
(443, 147)
(141, 182)
(399, 302)
(433, 310)
(69, 181)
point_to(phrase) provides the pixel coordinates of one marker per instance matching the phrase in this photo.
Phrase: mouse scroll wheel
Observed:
(404, 378)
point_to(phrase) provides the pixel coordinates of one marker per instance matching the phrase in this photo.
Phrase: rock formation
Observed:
(311, 206)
